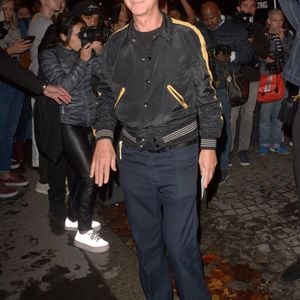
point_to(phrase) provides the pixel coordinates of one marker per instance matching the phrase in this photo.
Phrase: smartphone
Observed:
(29, 38)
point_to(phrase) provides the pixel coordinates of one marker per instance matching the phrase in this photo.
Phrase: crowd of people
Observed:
(152, 78)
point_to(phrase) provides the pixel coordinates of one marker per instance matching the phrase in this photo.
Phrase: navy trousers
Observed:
(160, 197)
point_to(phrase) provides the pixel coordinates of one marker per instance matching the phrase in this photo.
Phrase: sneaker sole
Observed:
(91, 249)
(14, 167)
(274, 151)
(10, 195)
(26, 183)
(98, 228)
(41, 192)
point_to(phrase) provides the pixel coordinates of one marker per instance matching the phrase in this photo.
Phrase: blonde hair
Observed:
(272, 12)
(13, 23)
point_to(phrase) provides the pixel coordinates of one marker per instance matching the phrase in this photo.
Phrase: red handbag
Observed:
(271, 88)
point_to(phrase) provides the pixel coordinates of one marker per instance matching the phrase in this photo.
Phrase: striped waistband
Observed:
(169, 137)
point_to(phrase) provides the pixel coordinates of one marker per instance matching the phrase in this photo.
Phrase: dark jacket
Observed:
(63, 67)
(155, 96)
(261, 50)
(12, 71)
(234, 35)
(291, 9)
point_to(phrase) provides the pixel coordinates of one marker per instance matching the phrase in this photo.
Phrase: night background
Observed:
(227, 7)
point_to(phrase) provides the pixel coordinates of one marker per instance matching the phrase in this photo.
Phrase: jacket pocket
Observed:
(121, 93)
(177, 96)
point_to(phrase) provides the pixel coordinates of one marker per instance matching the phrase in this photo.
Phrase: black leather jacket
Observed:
(155, 95)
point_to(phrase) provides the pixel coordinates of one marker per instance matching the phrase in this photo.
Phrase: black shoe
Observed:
(292, 272)
(244, 158)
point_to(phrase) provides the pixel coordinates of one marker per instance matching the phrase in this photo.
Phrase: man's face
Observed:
(90, 20)
(141, 7)
(211, 18)
(248, 7)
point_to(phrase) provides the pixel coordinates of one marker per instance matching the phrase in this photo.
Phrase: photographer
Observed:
(89, 11)
(71, 65)
(245, 17)
(229, 50)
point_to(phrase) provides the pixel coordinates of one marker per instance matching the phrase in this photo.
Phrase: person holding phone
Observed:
(11, 99)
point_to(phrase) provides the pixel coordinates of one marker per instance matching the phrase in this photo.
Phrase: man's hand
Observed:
(104, 159)
(58, 94)
(207, 163)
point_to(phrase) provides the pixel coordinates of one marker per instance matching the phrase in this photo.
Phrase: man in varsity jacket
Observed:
(159, 88)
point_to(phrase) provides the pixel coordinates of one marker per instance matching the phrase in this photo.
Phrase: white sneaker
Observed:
(73, 226)
(91, 241)
(42, 188)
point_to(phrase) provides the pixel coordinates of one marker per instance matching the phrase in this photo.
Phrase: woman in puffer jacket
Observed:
(71, 65)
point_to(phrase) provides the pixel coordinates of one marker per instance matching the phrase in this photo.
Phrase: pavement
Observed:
(250, 232)
(38, 260)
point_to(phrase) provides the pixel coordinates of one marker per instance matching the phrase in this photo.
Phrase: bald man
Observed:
(232, 39)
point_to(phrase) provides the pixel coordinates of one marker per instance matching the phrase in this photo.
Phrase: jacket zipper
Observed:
(177, 96)
(121, 93)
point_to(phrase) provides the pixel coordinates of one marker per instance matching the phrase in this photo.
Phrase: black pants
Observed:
(296, 148)
(160, 197)
(78, 145)
(57, 174)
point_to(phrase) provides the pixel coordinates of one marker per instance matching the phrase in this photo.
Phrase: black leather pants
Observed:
(78, 146)
(57, 174)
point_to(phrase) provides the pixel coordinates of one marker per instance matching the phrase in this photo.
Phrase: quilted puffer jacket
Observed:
(64, 68)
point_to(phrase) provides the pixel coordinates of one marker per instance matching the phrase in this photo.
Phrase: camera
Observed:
(92, 33)
(247, 21)
(3, 31)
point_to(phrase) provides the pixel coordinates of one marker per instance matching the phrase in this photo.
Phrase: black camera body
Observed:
(91, 34)
(247, 21)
